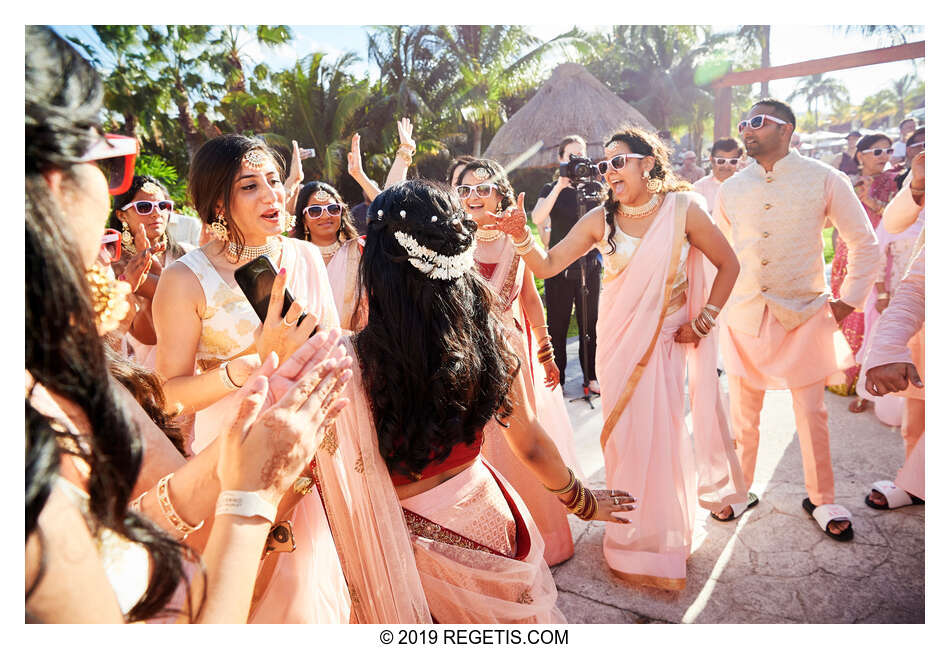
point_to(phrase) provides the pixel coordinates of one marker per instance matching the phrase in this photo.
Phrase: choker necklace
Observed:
(641, 211)
(271, 248)
(488, 235)
(329, 251)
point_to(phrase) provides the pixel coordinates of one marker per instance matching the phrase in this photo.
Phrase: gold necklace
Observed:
(329, 251)
(641, 211)
(488, 235)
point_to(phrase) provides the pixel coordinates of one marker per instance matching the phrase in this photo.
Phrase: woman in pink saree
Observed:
(324, 219)
(486, 191)
(875, 188)
(210, 338)
(655, 311)
(427, 530)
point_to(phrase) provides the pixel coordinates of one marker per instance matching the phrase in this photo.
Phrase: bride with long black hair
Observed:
(435, 368)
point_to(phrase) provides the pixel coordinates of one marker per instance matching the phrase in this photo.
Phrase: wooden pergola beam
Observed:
(818, 66)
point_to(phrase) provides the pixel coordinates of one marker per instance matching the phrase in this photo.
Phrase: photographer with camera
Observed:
(558, 201)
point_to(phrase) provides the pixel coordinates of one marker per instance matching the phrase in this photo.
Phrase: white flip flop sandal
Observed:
(825, 514)
(894, 495)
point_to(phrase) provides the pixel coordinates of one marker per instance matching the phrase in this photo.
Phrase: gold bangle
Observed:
(714, 309)
(523, 242)
(591, 509)
(570, 484)
(168, 510)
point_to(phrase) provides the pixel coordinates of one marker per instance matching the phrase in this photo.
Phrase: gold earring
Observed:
(108, 299)
(654, 185)
(128, 241)
(219, 229)
(290, 221)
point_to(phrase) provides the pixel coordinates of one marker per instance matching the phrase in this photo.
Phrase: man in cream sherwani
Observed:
(780, 319)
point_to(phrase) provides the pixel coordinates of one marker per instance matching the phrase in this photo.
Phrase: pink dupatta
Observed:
(632, 307)
(395, 577)
(343, 271)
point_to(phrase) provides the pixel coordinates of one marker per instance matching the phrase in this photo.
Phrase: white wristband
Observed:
(245, 503)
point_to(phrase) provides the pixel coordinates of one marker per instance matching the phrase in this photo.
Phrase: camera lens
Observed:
(582, 170)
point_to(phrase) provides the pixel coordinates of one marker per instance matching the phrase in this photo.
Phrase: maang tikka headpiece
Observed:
(151, 188)
(612, 147)
(255, 159)
(481, 173)
(323, 196)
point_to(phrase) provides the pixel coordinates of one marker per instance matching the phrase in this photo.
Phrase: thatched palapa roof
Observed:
(571, 102)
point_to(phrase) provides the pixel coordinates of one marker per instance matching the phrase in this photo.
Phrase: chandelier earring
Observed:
(219, 229)
(290, 221)
(653, 184)
(128, 241)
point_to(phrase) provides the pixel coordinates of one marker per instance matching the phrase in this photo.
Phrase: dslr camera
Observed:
(583, 176)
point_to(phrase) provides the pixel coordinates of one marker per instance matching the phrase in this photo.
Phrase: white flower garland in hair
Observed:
(431, 263)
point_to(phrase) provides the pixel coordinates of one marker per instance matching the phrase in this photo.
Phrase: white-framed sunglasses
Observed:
(144, 208)
(482, 191)
(617, 162)
(877, 153)
(724, 161)
(314, 211)
(758, 122)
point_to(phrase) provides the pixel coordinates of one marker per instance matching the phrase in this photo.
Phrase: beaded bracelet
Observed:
(168, 510)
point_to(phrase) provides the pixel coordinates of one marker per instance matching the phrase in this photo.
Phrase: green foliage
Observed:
(155, 166)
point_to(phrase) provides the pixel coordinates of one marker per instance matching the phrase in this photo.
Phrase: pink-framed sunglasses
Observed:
(724, 161)
(758, 122)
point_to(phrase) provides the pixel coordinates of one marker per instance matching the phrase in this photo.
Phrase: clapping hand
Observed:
(267, 446)
(136, 269)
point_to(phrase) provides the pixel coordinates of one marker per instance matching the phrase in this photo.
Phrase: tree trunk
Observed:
(766, 58)
(131, 121)
(477, 140)
(192, 137)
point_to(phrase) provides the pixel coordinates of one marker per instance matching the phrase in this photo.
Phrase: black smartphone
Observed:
(256, 279)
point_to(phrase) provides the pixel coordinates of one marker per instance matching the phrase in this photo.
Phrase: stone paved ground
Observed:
(774, 564)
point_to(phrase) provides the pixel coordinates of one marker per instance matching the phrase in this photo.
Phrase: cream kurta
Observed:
(774, 221)
(708, 188)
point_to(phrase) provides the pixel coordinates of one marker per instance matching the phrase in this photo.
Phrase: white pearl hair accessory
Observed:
(434, 219)
(379, 215)
(434, 265)
(402, 213)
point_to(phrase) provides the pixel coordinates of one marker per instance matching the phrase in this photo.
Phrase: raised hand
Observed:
(354, 159)
(404, 127)
(917, 169)
(295, 170)
(513, 221)
(136, 270)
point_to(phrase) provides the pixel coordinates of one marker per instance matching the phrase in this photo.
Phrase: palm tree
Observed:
(239, 106)
(758, 36)
(315, 102)
(178, 55)
(817, 87)
(493, 61)
(902, 88)
(878, 109)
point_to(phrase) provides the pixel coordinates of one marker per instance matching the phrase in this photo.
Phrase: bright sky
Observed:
(790, 44)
